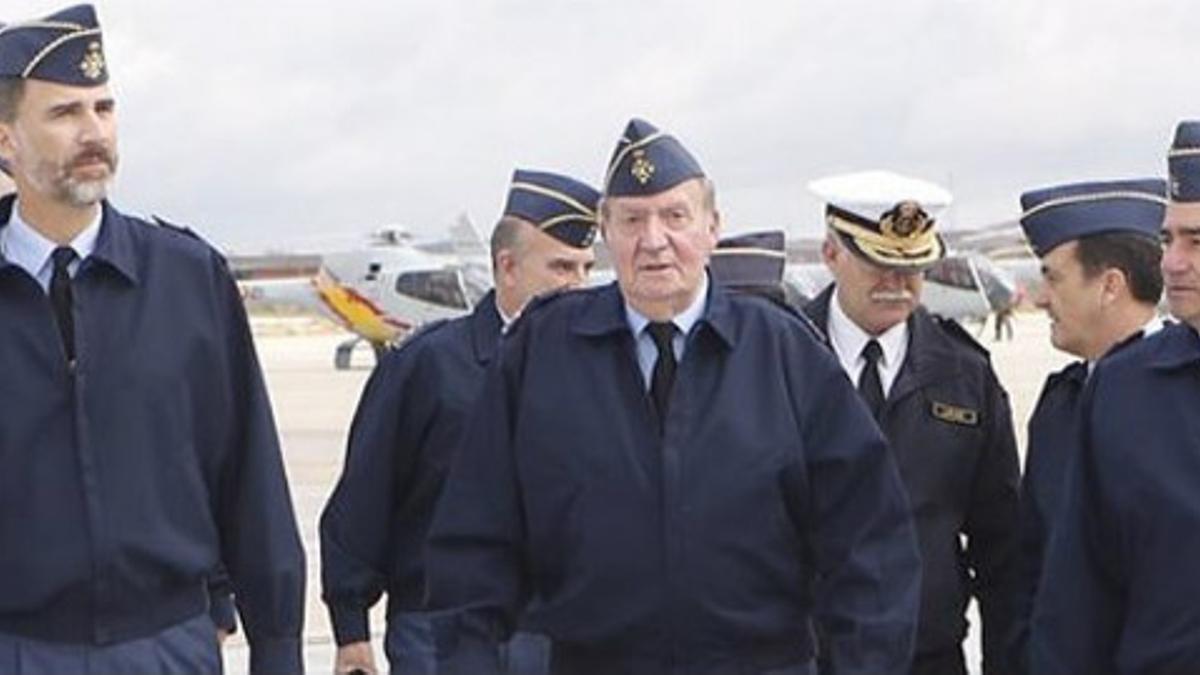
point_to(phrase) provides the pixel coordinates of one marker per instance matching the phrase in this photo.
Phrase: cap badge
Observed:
(641, 169)
(92, 64)
(905, 221)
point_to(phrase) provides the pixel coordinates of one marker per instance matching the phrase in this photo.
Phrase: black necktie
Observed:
(869, 384)
(60, 297)
(664, 368)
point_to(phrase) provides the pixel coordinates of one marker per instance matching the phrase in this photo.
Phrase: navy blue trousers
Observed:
(189, 647)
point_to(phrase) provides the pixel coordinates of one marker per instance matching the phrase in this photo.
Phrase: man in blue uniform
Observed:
(1100, 285)
(1120, 593)
(934, 393)
(667, 478)
(410, 420)
(138, 449)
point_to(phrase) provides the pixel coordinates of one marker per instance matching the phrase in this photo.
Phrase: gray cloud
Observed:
(272, 125)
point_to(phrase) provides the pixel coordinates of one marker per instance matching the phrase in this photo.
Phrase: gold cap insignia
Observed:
(906, 220)
(955, 414)
(92, 64)
(642, 168)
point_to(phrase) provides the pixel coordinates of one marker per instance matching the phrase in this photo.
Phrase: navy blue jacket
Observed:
(130, 477)
(1052, 440)
(409, 422)
(948, 422)
(1120, 592)
(770, 500)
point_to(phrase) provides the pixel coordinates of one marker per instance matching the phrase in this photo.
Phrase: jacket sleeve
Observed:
(1032, 553)
(993, 532)
(220, 602)
(356, 524)
(1076, 618)
(261, 547)
(861, 535)
(475, 544)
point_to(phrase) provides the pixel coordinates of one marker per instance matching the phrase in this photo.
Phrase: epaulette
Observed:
(534, 305)
(422, 331)
(790, 309)
(187, 232)
(1076, 370)
(1129, 340)
(956, 331)
(805, 320)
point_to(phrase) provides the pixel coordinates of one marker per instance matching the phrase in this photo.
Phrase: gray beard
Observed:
(83, 193)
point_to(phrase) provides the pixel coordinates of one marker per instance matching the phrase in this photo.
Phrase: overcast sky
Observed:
(301, 125)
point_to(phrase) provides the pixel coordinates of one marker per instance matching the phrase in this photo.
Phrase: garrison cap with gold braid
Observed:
(1058, 214)
(751, 259)
(562, 207)
(647, 161)
(884, 217)
(65, 47)
(1183, 162)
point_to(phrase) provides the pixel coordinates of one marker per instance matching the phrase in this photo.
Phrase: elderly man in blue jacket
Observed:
(138, 455)
(667, 478)
(1119, 592)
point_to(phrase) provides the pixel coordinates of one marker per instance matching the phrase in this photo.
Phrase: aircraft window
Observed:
(954, 272)
(439, 287)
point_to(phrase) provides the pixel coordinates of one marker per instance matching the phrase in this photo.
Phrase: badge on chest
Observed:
(955, 414)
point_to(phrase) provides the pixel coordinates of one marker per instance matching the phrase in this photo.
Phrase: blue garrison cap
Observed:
(754, 259)
(1183, 162)
(65, 47)
(562, 207)
(647, 161)
(1059, 214)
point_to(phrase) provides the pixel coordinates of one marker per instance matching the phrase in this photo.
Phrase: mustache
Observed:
(91, 154)
(900, 295)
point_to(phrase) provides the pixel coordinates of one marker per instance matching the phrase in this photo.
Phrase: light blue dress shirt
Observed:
(28, 249)
(647, 352)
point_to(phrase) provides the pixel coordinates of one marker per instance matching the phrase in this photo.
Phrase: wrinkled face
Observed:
(876, 298)
(660, 245)
(542, 263)
(1181, 261)
(62, 145)
(1072, 300)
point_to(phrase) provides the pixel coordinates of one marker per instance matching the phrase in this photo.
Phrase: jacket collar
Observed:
(485, 328)
(115, 246)
(603, 313)
(1175, 346)
(931, 355)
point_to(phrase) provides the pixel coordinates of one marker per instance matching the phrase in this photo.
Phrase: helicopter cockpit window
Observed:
(439, 287)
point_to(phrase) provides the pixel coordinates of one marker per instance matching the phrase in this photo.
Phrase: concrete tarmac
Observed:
(314, 404)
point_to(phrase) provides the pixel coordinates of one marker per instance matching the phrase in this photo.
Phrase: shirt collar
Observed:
(683, 321)
(850, 339)
(1152, 326)
(31, 250)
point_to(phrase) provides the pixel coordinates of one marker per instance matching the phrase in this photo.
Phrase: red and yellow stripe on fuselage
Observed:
(355, 312)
